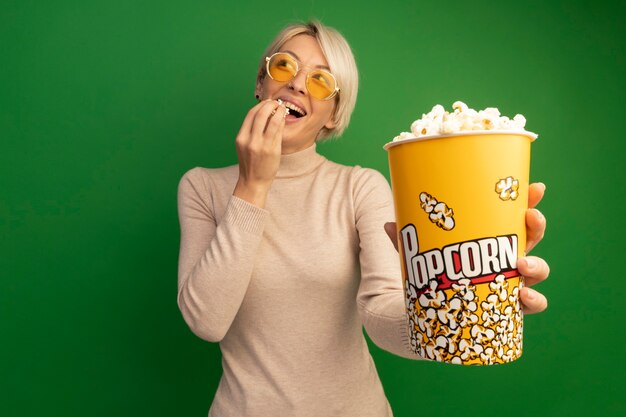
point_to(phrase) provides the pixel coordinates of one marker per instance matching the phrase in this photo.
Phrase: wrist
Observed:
(253, 193)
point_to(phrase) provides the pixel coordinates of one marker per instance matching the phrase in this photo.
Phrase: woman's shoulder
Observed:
(212, 173)
(358, 174)
(210, 178)
(362, 183)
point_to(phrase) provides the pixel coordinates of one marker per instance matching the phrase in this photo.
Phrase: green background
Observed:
(105, 104)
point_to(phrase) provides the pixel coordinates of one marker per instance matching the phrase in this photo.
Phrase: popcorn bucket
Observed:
(460, 202)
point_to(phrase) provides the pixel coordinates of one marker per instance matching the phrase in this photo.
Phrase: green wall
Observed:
(105, 104)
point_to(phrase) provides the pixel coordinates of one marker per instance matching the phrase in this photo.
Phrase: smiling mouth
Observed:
(294, 110)
(296, 113)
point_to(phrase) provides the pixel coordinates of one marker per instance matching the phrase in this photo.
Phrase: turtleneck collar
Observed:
(299, 163)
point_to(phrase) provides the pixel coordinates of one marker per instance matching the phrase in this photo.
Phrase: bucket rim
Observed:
(531, 135)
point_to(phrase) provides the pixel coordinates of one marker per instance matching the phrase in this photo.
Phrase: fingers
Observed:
(262, 117)
(532, 301)
(259, 146)
(535, 228)
(246, 127)
(278, 136)
(535, 221)
(535, 193)
(392, 232)
(261, 131)
(533, 269)
(276, 123)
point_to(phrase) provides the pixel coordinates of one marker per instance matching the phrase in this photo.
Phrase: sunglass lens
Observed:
(282, 67)
(320, 84)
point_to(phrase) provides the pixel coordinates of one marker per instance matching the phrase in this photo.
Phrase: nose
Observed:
(298, 83)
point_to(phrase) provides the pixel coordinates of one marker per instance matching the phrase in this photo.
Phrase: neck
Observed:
(299, 163)
(288, 150)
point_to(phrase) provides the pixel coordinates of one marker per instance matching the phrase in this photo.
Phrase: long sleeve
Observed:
(380, 296)
(216, 255)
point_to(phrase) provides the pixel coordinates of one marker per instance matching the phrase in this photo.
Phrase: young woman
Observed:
(285, 257)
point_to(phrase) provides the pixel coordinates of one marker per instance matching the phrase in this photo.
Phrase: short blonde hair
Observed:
(340, 61)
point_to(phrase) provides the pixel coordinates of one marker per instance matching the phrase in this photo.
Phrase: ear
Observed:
(258, 90)
(330, 124)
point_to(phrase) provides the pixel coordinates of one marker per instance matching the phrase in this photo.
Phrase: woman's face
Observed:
(300, 132)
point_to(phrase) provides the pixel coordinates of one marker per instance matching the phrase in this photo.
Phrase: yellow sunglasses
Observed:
(283, 67)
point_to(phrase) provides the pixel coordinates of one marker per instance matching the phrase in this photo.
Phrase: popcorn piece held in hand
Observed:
(279, 103)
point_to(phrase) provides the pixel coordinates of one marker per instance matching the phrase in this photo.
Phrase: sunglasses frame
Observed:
(298, 66)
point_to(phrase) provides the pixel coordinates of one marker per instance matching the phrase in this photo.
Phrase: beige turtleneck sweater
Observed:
(285, 290)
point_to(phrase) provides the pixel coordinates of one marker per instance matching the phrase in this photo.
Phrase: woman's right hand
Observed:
(259, 148)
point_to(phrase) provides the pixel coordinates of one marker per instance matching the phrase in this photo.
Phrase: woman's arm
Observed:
(380, 297)
(216, 259)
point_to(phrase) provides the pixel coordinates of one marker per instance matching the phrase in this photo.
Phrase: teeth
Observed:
(295, 108)
(279, 103)
(291, 106)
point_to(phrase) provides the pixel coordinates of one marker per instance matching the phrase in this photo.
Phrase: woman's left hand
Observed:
(533, 268)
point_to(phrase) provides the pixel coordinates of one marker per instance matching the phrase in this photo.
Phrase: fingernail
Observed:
(539, 215)
(531, 263)
(544, 186)
(530, 294)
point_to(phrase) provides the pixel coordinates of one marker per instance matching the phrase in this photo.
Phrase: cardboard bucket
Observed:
(460, 204)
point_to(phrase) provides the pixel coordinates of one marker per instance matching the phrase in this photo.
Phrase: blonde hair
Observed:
(340, 61)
